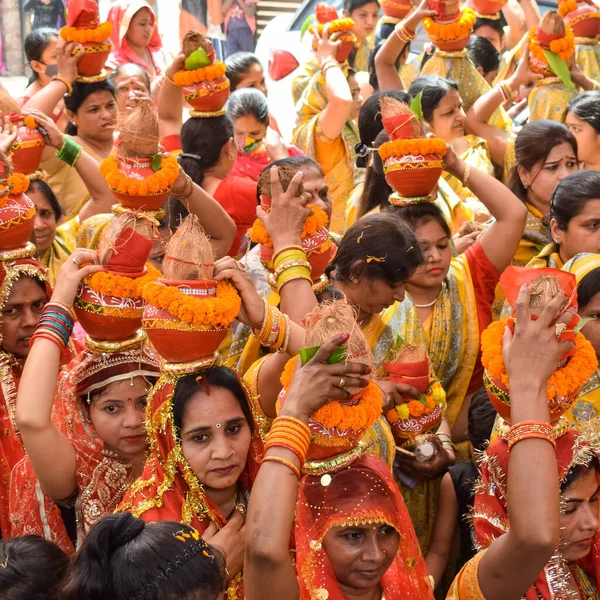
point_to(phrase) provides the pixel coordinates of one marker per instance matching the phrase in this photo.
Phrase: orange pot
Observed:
(347, 40)
(585, 21)
(413, 176)
(415, 374)
(488, 7)
(107, 318)
(26, 152)
(453, 46)
(179, 342)
(397, 9)
(95, 56)
(208, 96)
(405, 431)
(16, 221)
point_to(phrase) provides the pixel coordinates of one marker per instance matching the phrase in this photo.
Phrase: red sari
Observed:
(252, 164)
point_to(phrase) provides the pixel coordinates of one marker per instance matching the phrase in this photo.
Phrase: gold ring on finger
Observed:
(342, 382)
(559, 329)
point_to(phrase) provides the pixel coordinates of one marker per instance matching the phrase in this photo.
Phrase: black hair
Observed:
(238, 64)
(588, 287)
(482, 416)
(370, 120)
(572, 194)
(533, 145)
(124, 558)
(578, 471)
(383, 32)
(31, 568)
(248, 101)
(81, 92)
(42, 187)
(204, 379)
(376, 191)
(421, 213)
(434, 90)
(141, 72)
(495, 24)
(35, 45)
(352, 5)
(586, 106)
(202, 141)
(483, 54)
(381, 235)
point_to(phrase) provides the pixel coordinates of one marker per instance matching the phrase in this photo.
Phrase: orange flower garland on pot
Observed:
(412, 163)
(84, 27)
(188, 313)
(582, 17)
(551, 47)
(451, 28)
(203, 80)
(327, 16)
(17, 212)
(575, 368)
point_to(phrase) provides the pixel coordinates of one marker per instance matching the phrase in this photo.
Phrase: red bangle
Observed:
(284, 462)
(530, 430)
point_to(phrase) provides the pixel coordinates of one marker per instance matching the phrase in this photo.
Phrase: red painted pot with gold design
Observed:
(417, 374)
(413, 176)
(175, 340)
(208, 96)
(405, 431)
(16, 221)
(26, 151)
(585, 21)
(347, 41)
(139, 169)
(91, 64)
(488, 7)
(397, 9)
(107, 318)
(451, 45)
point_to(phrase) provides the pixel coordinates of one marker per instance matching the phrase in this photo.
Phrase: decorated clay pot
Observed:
(347, 41)
(139, 169)
(585, 21)
(488, 7)
(405, 431)
(208, 96)
(16, 221)
(397, 9)
(26, 152)
(453, 45)
(179, 342)
(413, 176)
(91, 64)
(107, 318)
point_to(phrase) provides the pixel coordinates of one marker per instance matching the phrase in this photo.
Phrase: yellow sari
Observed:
(61, 248)
(587, 57)
(91, 231)
(408, 72)
(547, 257)
(361, 56)
(549, 99)
(535, 238)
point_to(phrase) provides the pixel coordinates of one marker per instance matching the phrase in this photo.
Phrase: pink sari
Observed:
(120, 16)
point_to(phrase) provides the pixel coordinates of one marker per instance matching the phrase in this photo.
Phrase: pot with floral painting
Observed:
(338, 427)
(17, 212)
(582, 17)
(188, 313)
(575, 366)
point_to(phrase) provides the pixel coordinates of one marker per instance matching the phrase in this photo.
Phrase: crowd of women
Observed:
(138, 463)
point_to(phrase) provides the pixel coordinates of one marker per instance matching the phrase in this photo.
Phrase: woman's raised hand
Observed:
(327, 45)
(7, 139)
(71, 274)
(67, 60)
(414, 18)
(53, 137)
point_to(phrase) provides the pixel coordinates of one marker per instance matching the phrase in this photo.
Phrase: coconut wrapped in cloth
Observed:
(205, 86)
(188, 313)
(451, 28)
(316, 241)
(551, 47)
(338, 427)
(574, 368)
(326, 16)
(84, 27)
(421, 415)
(140, 174)
(583, 17)
(109, 304)
(412, 162)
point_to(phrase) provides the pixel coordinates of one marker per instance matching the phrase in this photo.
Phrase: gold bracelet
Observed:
(286, 340)
(290, 264)
(290, 255)
(66, 82)
(258, 333)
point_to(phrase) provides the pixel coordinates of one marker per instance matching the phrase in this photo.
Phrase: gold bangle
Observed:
(291, 247)
(289, 265)
(66, 82)
(259, 332)
(290, 255)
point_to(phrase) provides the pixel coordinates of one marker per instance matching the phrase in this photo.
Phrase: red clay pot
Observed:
(415, 374)
(26, 152)
(397, 9)
(208, 96)
(95, 56)
(454, 46)
(417, 181)
(16, 221)
(405, 431)
(585, 21)
(179, 342)
(488, 7)
(107, 318)
(347, 40)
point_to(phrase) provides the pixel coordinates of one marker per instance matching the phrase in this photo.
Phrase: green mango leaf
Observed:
(583, 323)
(198, 59)
(423, 399)
(337, 356)
(415, 106)
(156, 162)
(559, 68)
(306, 25)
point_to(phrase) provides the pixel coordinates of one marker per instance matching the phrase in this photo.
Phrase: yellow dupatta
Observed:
(408, 72)
(549, 99)
(535, 237)
(352, 206)
(548, 257)
(63, 245)
(91, 231)
(361, 56)
(587, 57)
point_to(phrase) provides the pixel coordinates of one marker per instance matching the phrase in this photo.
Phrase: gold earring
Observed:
(231, 156)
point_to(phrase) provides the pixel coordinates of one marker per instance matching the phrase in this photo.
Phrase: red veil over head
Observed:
(362, 493)
(490, 512)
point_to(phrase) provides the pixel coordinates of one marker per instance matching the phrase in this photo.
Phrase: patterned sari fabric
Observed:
(549, 100)
(102, 476)
(11, 448)
(61, 248)
(547, 257)
(363, 493)
(535, 237)
(587, 57)
(490, 517)
(361, 56)
(168, 489)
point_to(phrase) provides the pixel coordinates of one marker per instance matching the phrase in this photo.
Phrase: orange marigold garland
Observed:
(336, 25)
(425, 405)
(81, 36)
(414, 146)
(564, 47)
(214, 71)
(17, 184)
(565, 381)
(110, 284)
(30, 122)
(448, 32)
(315, 222)
(358, 417)
(219, 311)
(158, 182)
(564, 8)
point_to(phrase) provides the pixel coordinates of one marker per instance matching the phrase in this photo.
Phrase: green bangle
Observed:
(70, 152)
